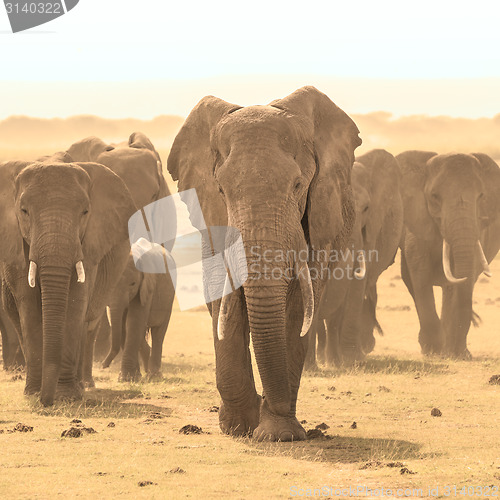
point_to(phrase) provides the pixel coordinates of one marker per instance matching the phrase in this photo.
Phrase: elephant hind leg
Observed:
(117, 334)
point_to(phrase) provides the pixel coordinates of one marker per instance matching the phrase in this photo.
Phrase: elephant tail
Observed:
(371, 309)
(476, 319)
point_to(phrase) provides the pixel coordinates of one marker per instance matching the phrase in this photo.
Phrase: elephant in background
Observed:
(63, 247)
(12, 353)
(348, 304)
(280, 174)
(138, 164)
(141, 302)
(452, 231)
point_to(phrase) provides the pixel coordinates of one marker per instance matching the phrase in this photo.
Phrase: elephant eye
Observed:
(298, 185)
(85, 212)
(24, 211)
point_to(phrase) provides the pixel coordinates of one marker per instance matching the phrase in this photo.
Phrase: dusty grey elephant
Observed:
(452, 231)
(140, 302)
(138, 164)
(349, 301)
(63, 246)
(280, 174)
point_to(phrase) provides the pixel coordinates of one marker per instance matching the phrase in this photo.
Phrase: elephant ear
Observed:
(11, 242)
(147, 288)
(139, 140)
(334, 137)
(414, 174)
(383, 183)
(88, 149)
(191, 160)
(111, 206)
(490, 175)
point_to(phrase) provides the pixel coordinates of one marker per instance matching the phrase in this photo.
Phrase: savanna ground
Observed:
(390, 398)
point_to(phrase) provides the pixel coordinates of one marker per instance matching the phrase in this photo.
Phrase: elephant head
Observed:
(59, 222)
(136, 161)
(281, 175)
(451, 197)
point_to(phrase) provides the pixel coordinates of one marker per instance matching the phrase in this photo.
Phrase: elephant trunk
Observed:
(266, 305)
(272, 259)
(54, 282)
(56, 255)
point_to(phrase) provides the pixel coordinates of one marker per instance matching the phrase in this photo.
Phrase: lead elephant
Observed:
(140, 302)
(138, 164)
(63, 246)
(280, 174)
(452, 232)
(349, 300)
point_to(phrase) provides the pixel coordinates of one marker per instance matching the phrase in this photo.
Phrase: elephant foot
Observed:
(429, 349)
(350, 358)
(463, 355)
(89, 383)
(31, 390)
(126, 376)
(69, 392)
(155, 376)
(241, 422)
(278, 428)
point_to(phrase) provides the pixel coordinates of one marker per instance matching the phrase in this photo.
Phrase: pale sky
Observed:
(157, 56)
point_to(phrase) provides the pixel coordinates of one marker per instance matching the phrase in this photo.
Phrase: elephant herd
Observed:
(318, 227)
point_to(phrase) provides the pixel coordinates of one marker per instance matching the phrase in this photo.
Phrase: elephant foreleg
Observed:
(456, 318)
(240, 406)
(420, 275)
(136, 322)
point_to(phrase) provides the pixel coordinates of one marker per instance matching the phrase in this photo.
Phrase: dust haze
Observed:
(23, 137)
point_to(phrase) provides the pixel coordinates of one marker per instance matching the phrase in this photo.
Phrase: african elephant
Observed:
(280, 174)
(349, 299)
(12, 354)
(138, 164)
(452, 232)
(141, 302)
(63, 246)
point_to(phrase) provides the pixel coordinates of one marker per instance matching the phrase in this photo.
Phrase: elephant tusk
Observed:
(446, 265)
(221, 320)
(80, 271)
(361, 272)
(306, 288)
(32, 274)
(484, 262)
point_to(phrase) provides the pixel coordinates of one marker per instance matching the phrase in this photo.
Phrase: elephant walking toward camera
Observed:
(280, 174)
(349, 301)
(141, 302)
(138, 164)
(63, 246)
(452, 231)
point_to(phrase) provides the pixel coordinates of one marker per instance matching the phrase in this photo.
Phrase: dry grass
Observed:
(393, 424)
